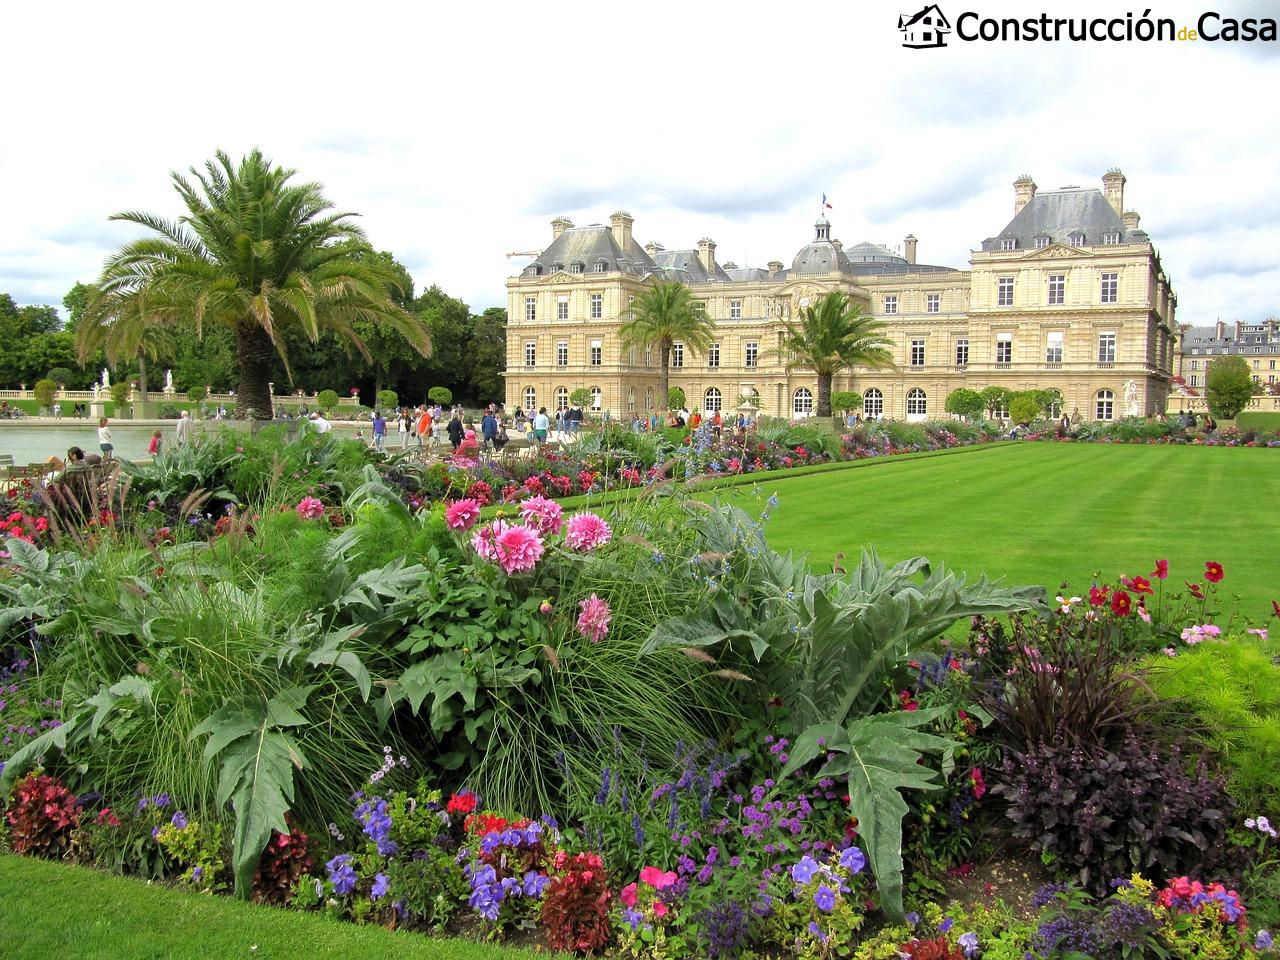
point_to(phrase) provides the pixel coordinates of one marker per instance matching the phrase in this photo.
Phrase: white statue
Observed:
(168, 381)
(1132, 407)
(96, 394)
(106, 379)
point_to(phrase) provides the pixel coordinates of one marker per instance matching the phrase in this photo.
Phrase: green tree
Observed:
(995, 399)
(964, 402)
(30, 336)
(259, 255)
(76, 302)
(327, 400)
(387, 400)
(440, 395)
(846, 401)
(664, 314)
(1025, 407)
(449, 321)
(488, 355)
(45, 391)
(61, 375)
(675, 398)
(834, 335)
(1228, 387)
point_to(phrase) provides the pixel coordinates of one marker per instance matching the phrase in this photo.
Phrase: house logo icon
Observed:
(926, 29)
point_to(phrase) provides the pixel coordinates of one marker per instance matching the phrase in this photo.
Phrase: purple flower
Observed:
(197, 873)
(803, 871)
(1262, 941)
(341, 874)
(912, 918)
(853, 860)
(968, 942)
(381, 885)
(946, 925)
(824, 898)
(179, 820)
(632, 918)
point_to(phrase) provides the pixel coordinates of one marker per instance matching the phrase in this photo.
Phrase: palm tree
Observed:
(831, 336)
(663, 315)
(255, 253)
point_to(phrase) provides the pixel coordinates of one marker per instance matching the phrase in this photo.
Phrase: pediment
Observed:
(1055, 251)
(560, 276)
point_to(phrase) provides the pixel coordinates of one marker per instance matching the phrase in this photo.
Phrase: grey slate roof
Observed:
(590, 245)
(867, 252)
(819, 257)
(1250, 342)
(1060, 214)
(748, 273)
(684, 265)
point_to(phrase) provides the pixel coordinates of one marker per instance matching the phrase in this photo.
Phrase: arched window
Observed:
(530, 398)
(562, 398)
(631, 399)
(1105, 405)
(802, 402)
(597, 397)
(711, 400)
(917, 403)
(873, 403)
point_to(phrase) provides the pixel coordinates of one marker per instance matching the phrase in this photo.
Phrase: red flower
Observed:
(979, 783)
(464, 802)
(1137, 584)
(1098, 596)
(1120, 604)
(1161, 571)
(1195, 589)
(906, 701)
(1213, 571)
(1275, 607)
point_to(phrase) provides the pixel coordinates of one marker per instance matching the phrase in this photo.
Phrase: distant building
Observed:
(1071, 295)
(1258, 343)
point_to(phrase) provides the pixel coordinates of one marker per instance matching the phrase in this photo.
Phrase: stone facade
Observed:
(1070, 295)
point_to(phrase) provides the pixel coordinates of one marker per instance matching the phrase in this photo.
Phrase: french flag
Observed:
(824, 202)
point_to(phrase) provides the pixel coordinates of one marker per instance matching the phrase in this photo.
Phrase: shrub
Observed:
(440, 395)
(41, 817)
(388, 400)
(326, 400)
(1102, 813)
(196, 394)
(61, 375)
(675, 398)
(285, 861)
(846, 401)
(120, 392)
(1024, 407)
(1258, 420)
(965, 403)
(45, 391)
(575, 906)
(1228, 386)
(1232, 692)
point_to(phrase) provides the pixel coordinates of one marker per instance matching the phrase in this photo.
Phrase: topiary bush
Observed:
(45, 390)
(388, 400)
(327, 400)
(440, 395)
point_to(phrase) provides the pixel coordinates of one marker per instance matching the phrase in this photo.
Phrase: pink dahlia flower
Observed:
(542, 515)
(586, 531)
(484, 540)
(310, 508)
(593, 621)
(517, 549)
(462, 514)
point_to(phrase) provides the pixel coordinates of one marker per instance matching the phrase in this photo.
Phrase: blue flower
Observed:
(1262, 941)
(534, 883)
(912, 918)
(946, 925)
(341, 874)
(824, 898)
(968, 942)
(179, 820)
(632, 918)
(853, 860)
(803, 871)
(381, 885)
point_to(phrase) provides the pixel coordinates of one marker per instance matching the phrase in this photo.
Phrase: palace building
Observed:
(1070, 294)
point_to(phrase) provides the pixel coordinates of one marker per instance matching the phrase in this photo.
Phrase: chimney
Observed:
(1131, 220)
(731, 265)
(622, 221)
(775, 266)
(1239, 330)
(1024, 188)
(910, 244)
(1113, 187)
(559, 225)
(707, 254)
(653, 247)
(1220, 331)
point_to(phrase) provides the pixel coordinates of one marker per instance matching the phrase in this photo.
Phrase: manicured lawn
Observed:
(1041, 513)
(73, 913)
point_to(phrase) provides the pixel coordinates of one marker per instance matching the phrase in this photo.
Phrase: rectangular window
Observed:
(1110, 287)
(1004, 348)
(1194, 380)
(531, 308)
(600, 268)
(597, 306)
(1110, 239)
(713, 355)
(677, 354)
(1009, 244)
(631, 307)
(1040, 242)
(562, 308)
(1057, 287)
(933, 303)
(1195, 364)
(735, 309)
(1004, 292)
(1053, 348)
(1107, 347)
(648, 354)
(752, 353)
(596, 352)
(890, 304)
(917, 353)
(562, 353)
(530, 353)
(1076, 239)
(962, 352)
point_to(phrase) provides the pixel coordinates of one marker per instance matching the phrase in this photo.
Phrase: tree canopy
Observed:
(834, 335)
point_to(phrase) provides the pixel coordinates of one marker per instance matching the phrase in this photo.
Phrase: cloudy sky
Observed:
(459, 133)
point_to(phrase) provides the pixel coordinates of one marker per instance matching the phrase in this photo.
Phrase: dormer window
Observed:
(537, 270)
(557, 267)
(1009, 243)
(601, 266)
(1041, 242)
(578, 268)
(1110, 239)
(1076, 239)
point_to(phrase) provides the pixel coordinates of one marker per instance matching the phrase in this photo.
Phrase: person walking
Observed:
(320, 424)
(489, 428)
(104, 439)
(184, 427)
(379, 432)
(402, 425)
(153, 447)
(541, 424)
(455, 431)
(424, 426)
(501, 440)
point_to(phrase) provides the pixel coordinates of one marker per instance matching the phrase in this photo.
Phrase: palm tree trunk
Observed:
(142, 377)
(254, 353)
(664, 376)
(824, 395)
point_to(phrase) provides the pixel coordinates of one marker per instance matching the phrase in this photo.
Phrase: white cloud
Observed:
(458, 132)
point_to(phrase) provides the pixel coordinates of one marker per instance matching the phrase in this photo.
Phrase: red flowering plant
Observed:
(284, 863)
(42, 815)
(575, 904)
